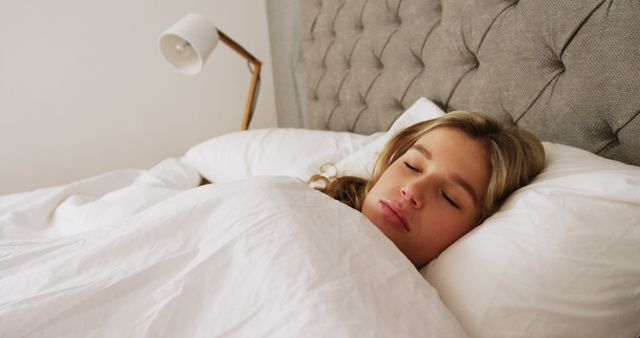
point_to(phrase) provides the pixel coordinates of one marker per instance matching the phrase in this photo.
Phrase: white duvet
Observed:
(149, 254)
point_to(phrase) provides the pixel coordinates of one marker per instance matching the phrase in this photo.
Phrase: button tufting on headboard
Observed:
(567, 70)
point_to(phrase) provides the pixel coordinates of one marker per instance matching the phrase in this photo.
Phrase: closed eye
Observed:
(450, 200)
(411, 167)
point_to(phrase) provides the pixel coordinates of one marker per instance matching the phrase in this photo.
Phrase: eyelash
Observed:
(450, 200)
(444, 195)
(411, 167)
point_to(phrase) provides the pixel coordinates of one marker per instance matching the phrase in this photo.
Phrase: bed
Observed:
(153, 253)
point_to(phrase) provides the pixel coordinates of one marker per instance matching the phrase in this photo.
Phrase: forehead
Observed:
(458, 153)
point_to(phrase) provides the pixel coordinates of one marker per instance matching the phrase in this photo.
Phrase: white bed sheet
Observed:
(145, 254)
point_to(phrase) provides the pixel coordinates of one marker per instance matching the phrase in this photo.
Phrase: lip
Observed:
(394, 213)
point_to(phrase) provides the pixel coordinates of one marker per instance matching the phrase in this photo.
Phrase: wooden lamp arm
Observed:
(255, 77)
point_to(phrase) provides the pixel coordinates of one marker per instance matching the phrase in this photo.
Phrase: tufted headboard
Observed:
(569, 71)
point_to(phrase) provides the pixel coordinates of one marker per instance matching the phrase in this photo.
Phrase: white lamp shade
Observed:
(188, 43)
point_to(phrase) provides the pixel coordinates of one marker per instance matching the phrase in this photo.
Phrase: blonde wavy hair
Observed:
(515, 157)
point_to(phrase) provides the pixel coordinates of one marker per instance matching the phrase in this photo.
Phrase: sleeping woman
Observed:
(436, 180)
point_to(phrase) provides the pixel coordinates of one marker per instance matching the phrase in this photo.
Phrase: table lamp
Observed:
(188, 43)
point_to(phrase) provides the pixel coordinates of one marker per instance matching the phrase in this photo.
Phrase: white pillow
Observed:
(278, 151)
(292, 152)
(561, 258)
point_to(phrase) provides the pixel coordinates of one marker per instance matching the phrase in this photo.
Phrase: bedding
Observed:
(150, 254)
(274, 151)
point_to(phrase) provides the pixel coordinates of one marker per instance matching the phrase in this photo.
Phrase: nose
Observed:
(411, 195)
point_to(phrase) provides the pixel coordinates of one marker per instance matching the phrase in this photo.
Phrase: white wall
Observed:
(85, 90)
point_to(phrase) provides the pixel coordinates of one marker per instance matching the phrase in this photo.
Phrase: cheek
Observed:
(454, 233)
(456, 228)
(368, 206)
(442, 229)
(378, 190)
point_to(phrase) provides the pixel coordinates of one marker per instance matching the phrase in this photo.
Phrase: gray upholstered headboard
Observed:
(569, 70)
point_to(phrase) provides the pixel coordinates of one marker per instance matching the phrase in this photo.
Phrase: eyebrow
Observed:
(454, 177)
(422, 150)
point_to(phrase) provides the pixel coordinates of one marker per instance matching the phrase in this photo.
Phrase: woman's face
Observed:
(431, 195)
